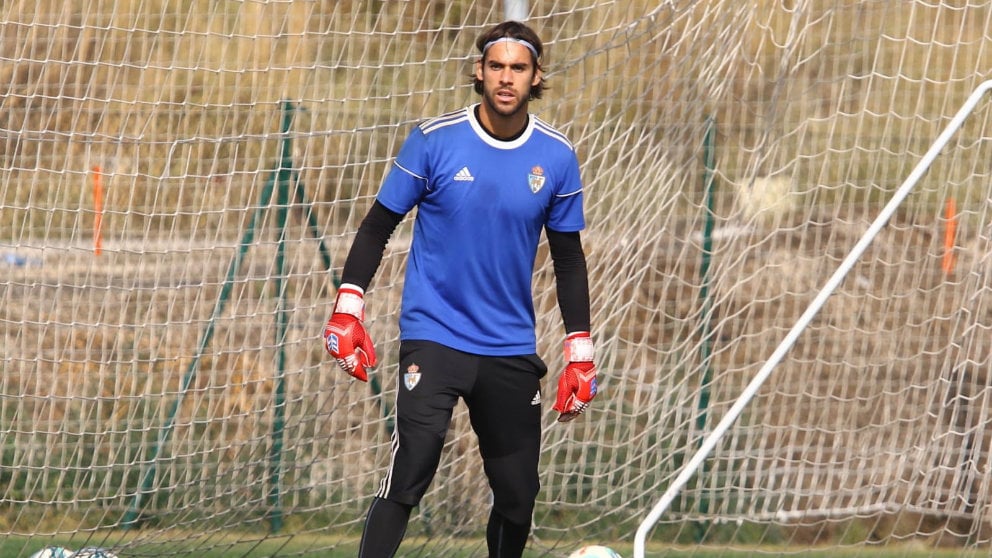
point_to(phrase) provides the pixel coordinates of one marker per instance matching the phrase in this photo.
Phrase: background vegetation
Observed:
(183, 109)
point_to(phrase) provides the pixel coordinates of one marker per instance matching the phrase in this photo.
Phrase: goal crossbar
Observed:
(710, 441)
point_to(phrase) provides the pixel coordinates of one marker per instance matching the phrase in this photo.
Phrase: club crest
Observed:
(412, 377)
(536, 179)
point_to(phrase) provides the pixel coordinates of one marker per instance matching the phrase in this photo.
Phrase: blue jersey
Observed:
(481, 206)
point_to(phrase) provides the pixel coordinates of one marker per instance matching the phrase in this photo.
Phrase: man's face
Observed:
(507, 73)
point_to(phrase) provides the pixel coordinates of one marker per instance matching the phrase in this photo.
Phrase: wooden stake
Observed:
(950, 233)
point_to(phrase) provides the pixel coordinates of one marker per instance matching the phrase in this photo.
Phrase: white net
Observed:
(180, 181)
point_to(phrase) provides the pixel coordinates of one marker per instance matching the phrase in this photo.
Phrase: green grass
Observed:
(331, 546)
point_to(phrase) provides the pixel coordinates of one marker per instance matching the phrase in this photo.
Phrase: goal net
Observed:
(180, 181)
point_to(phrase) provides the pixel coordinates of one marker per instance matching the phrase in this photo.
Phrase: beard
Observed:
(503, 109)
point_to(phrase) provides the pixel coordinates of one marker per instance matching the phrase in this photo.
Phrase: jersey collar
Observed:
(499, 144)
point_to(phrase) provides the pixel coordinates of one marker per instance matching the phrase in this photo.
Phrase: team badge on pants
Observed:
(412, 377)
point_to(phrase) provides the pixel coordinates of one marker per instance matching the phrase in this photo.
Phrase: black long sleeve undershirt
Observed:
(567, 256)
(369, 245)
(572, 279)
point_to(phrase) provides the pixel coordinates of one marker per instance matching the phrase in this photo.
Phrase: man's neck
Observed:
(504, 128)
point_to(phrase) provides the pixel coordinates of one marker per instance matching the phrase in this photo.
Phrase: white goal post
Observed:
(713, 438)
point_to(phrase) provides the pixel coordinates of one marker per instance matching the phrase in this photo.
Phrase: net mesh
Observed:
(180, 182)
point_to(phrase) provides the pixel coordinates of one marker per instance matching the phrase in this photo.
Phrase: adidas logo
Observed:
(464, 176)
(537, 398)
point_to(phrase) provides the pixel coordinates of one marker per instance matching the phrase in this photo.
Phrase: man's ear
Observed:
(478, 69)
(538, 77)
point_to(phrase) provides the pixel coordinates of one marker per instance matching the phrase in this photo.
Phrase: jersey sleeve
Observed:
(406, 182)
(566, 213)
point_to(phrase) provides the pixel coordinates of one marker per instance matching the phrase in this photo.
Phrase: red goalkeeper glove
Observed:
(577, 383)
(345, 337)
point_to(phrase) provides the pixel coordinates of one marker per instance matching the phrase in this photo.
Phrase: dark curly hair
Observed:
(512, 30)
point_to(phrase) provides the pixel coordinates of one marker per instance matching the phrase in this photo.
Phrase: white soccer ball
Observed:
(594, 551)
(52, 552)
(92, 552)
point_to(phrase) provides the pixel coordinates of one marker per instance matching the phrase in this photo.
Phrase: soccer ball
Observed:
(52, 552)
(92, 552)
(594, 551)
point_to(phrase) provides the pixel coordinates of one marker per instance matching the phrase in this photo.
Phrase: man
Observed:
(486, 180)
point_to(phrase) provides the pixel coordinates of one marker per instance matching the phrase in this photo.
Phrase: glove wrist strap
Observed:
(350, 300)
(579, 347)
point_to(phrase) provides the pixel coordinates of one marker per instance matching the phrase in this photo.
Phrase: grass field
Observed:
(821, 108)
(341, 547)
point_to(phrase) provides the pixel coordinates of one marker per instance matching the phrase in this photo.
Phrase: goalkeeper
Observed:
(486, 180)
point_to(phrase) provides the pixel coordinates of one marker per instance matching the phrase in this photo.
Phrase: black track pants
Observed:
(504, 402)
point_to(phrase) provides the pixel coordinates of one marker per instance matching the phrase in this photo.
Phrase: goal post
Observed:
(834, 281)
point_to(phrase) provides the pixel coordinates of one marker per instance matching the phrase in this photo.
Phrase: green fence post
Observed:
(705, 336)
(284, 176)
(132, 516)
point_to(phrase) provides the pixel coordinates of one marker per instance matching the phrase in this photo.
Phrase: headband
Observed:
(529, 46)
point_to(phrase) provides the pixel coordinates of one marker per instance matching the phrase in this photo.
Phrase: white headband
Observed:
(529, 46)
